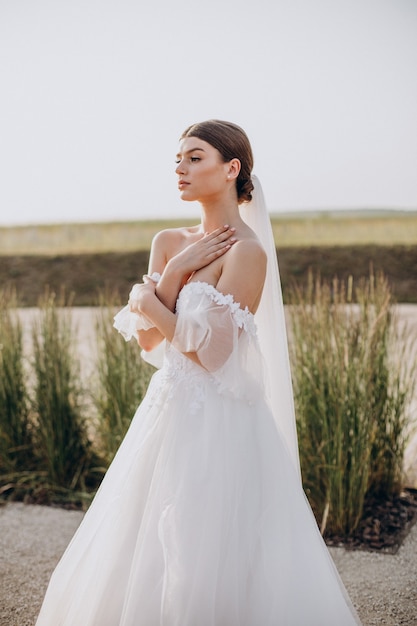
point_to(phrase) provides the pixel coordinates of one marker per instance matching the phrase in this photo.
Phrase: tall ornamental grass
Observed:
(62, 444)
(54, 445)
(123, 378)
(353, 382)
(15, 431)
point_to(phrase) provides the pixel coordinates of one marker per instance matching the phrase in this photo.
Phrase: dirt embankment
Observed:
(86, 275)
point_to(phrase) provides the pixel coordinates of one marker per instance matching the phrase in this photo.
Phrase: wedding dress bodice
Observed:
(222, 335)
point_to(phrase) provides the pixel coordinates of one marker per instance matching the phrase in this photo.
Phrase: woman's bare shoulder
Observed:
(182, 232)
(243, 272)
(249, 251)
(173, 237)
(246, 257)
(249, 247)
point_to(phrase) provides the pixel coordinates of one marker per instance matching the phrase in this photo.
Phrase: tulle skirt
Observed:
(200, 521)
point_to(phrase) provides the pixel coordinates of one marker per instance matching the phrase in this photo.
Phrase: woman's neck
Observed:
(217, 215)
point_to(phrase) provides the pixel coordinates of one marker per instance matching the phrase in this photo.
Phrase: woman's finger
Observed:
(220, 233)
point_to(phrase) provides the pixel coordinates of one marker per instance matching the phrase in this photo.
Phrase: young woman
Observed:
(201, 519)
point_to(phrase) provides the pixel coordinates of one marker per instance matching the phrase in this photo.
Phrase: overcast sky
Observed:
(95, 93)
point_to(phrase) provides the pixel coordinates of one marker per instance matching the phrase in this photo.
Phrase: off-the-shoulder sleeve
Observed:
(208, 330)
(224, 338)
(210, 323)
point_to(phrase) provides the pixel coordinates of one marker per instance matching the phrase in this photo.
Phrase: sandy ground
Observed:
(383, 587)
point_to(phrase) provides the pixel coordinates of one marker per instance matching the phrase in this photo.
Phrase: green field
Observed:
(86, 259)
(308, 229)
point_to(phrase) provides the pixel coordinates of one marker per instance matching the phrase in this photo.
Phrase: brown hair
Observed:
(232, 143)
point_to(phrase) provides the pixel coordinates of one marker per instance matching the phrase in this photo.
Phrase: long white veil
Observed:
(270, 322)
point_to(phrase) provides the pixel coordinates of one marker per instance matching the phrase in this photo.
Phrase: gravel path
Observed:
(383, 587)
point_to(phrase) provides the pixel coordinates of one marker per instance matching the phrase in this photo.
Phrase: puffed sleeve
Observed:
(223, 336)
(207, 329)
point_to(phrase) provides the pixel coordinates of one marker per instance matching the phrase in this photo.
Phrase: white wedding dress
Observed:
(201, 519)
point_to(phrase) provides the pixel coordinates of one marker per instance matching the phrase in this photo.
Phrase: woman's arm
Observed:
(165, 320)
(242, 277)
(168, 286)
(175, 265)
(243, 274)
(180, 266)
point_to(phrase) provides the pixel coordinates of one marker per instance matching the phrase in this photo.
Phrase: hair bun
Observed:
(244, 189)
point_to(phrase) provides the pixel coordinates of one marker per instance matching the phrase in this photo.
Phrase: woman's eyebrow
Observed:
(191, 150)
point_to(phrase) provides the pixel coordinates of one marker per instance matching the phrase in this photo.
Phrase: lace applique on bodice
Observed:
(180, 370)
(223, 337)
(243, 317)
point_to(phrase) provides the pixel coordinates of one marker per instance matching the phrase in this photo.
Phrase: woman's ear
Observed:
(233, 169)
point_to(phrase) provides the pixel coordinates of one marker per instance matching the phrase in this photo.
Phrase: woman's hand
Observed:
(207, 249)
(141, 294)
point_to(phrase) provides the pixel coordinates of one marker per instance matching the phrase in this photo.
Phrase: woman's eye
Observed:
(194, 159)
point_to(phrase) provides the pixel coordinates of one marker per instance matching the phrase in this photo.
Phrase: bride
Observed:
(201, 519)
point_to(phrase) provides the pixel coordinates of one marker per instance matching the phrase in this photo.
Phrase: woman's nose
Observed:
(180, 167)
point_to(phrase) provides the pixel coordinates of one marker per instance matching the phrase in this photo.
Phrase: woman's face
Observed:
(201, 171)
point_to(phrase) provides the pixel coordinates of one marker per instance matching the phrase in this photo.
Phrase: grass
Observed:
(45, 452)
(55, 444)
(353, 385)
(123, 378)
(15, 428)
(343, 245)
(62, 442)
(92, 258)
(308, 229)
